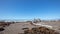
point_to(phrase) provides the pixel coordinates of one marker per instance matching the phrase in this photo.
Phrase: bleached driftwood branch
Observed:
(43, 25)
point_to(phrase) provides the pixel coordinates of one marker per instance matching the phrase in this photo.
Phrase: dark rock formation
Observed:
(40, 30)
(2, 29)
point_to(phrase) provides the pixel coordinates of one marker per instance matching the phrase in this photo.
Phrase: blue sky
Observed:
(29, 9)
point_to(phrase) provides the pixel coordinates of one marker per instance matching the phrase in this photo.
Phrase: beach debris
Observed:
(43, 25)
(40, 30)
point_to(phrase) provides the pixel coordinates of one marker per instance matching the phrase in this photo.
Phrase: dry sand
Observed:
(17, 27)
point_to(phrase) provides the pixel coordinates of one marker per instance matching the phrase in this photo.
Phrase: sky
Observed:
(29, 9)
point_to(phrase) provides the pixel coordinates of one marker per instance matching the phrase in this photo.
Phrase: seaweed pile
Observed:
(40, 30)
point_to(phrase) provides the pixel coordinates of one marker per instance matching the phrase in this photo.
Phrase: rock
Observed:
(2, 29)
(40, 30)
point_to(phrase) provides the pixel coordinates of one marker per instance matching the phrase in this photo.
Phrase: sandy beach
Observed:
(16, 28)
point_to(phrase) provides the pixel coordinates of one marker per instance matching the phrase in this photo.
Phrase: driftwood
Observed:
(36, 24)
